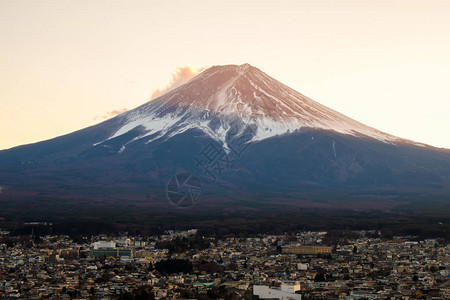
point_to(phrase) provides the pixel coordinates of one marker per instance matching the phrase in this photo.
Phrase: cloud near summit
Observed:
(180, 76)
(111, 114)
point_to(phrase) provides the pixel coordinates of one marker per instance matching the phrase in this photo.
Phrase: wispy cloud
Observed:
(111, 114)
(180, 76)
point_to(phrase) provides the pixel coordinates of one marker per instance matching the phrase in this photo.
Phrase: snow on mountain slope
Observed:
(234, 98)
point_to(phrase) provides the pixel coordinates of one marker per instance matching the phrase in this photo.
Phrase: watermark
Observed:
(184, 190)
(214, 160)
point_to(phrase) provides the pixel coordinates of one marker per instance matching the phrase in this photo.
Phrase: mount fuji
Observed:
(227, 99)
(242, 133)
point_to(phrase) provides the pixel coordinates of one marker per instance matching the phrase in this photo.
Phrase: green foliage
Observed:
(180, 245)
(319, 277)
(141, 293)
(170, 266)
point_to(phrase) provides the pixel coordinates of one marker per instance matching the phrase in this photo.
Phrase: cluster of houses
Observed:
(291, 266)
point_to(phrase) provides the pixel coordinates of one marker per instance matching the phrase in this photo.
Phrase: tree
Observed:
(141, 293)
(170, 266)
(319, 277)
(279, 249)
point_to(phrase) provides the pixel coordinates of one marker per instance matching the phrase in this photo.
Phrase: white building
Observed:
(104, 245)
(122, 242)
(286, 292)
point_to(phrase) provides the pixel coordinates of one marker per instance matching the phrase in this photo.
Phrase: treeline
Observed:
(171, 266)
(182, 244)
(238, 224)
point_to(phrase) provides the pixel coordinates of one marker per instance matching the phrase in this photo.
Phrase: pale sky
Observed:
(64, 64)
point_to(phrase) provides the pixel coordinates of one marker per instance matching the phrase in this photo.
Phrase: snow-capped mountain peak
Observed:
(232, 99)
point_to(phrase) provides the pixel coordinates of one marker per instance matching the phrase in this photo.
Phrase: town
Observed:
(187, 265)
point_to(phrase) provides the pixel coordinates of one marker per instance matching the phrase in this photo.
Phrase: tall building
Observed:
(109, 249)
(306, 250)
